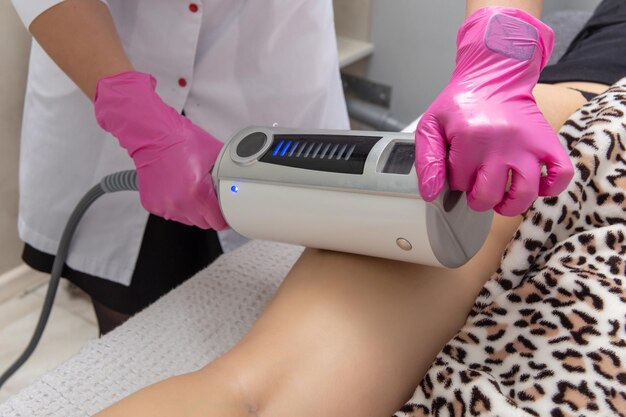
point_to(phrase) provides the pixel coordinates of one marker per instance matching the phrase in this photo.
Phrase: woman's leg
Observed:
(335, 339)
(351, 335)
(558, 101)
(344, 334)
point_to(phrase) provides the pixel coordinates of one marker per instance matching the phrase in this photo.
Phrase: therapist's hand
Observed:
(173, 156)
(486, 123)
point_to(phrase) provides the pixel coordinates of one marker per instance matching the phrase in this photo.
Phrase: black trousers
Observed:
(170, 254)
(597, 53)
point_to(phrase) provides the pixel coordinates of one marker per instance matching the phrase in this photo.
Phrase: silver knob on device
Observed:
(404, 244)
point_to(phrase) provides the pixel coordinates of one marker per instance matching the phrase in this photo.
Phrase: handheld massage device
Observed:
(348, 191)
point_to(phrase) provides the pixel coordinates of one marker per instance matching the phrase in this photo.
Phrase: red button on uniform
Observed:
(193, 7)
(182, 82)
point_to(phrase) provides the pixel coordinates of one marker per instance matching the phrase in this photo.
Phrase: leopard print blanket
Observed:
(547, 335)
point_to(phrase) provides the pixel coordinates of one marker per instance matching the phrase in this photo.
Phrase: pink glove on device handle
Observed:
(173, 156)
(486, 123)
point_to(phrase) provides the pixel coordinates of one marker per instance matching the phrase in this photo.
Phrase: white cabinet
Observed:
(352, 23)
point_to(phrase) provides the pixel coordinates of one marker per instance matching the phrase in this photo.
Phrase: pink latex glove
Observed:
(486, 121)
(173, 156)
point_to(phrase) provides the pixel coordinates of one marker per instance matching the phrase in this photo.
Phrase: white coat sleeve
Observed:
(28, 10)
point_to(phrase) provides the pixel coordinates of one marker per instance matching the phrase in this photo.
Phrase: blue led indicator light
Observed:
(277, 149)
(286, 148)
(293, 149)
(234, 189)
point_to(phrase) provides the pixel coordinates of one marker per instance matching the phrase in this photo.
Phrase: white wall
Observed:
(14, 43)
(415, 47)
(414, 50)
(553, 5)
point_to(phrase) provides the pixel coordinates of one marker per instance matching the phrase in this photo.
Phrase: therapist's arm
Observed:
(80, 36)
(172, 155)
(533, 7)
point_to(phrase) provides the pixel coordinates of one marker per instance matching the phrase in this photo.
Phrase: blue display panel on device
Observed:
(341, 154)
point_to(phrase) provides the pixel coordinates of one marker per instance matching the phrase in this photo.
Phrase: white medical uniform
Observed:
(227, 63)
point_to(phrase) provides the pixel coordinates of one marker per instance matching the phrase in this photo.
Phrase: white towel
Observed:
(183, 331)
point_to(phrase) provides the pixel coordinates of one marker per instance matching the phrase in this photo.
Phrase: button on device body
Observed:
(193, 7)
(251, 144)
(182, 82)
(404, 244)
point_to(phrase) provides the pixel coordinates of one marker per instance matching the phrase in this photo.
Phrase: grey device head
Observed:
(350, 191)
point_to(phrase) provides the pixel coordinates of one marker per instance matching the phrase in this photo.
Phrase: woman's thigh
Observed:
(348, 333)
(559, 101)
(353, 334)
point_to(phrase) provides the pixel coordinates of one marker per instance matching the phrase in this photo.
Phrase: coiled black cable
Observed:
(120, 181)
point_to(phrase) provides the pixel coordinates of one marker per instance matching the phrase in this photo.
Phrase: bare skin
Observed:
(533, 7)
(553, 100)
(81, 38)
(344, 334)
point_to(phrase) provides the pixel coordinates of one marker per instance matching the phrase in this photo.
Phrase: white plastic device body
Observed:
(347, 191)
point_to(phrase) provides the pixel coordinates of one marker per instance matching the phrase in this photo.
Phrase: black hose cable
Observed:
(120, 181)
